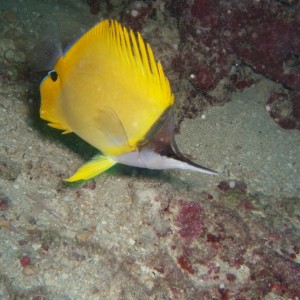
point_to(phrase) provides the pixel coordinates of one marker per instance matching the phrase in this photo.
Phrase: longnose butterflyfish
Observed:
(109, 90)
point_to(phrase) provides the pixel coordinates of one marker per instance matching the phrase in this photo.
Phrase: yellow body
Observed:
(109, 90)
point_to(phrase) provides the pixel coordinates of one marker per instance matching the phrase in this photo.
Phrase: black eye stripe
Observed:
(53, 76)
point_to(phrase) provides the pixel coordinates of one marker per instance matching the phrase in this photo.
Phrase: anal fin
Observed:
(94, 167)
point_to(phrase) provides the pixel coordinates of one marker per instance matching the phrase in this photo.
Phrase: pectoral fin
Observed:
(115, 140)
(97, 165)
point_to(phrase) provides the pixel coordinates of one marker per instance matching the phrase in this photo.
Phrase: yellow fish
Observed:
(109, 90)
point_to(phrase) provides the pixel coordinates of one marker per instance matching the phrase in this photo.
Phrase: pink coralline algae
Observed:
(189, 220)
(185, 264)
(221, 41)
(217, 251)
(262, 34)
(25, 261)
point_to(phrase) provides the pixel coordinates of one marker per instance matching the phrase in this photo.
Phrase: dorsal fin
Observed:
(130, 51)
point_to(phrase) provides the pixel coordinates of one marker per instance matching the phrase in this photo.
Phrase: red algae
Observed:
(247, 205)
(223, 186)
(221, 39)
(185, 264)
(22, 242)
(241, 78)
(287, 123)
(205, 78)
(211, 238)
(25, 261)
(189, 220)
(230, 277)
(208, 196)
(4, 203)
(224, 294)
(205, 11)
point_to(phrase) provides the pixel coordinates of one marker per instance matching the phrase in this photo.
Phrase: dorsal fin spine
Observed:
(152, 62)
(128, 46)
(136, 51)
(144, 55)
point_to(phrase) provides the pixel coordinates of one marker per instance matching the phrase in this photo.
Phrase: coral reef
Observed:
(219, 39)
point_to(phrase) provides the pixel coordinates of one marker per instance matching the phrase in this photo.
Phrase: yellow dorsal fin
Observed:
(94, 167)
(130, 52)
(49, 110)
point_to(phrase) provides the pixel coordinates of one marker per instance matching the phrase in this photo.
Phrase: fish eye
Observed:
(53, 76)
